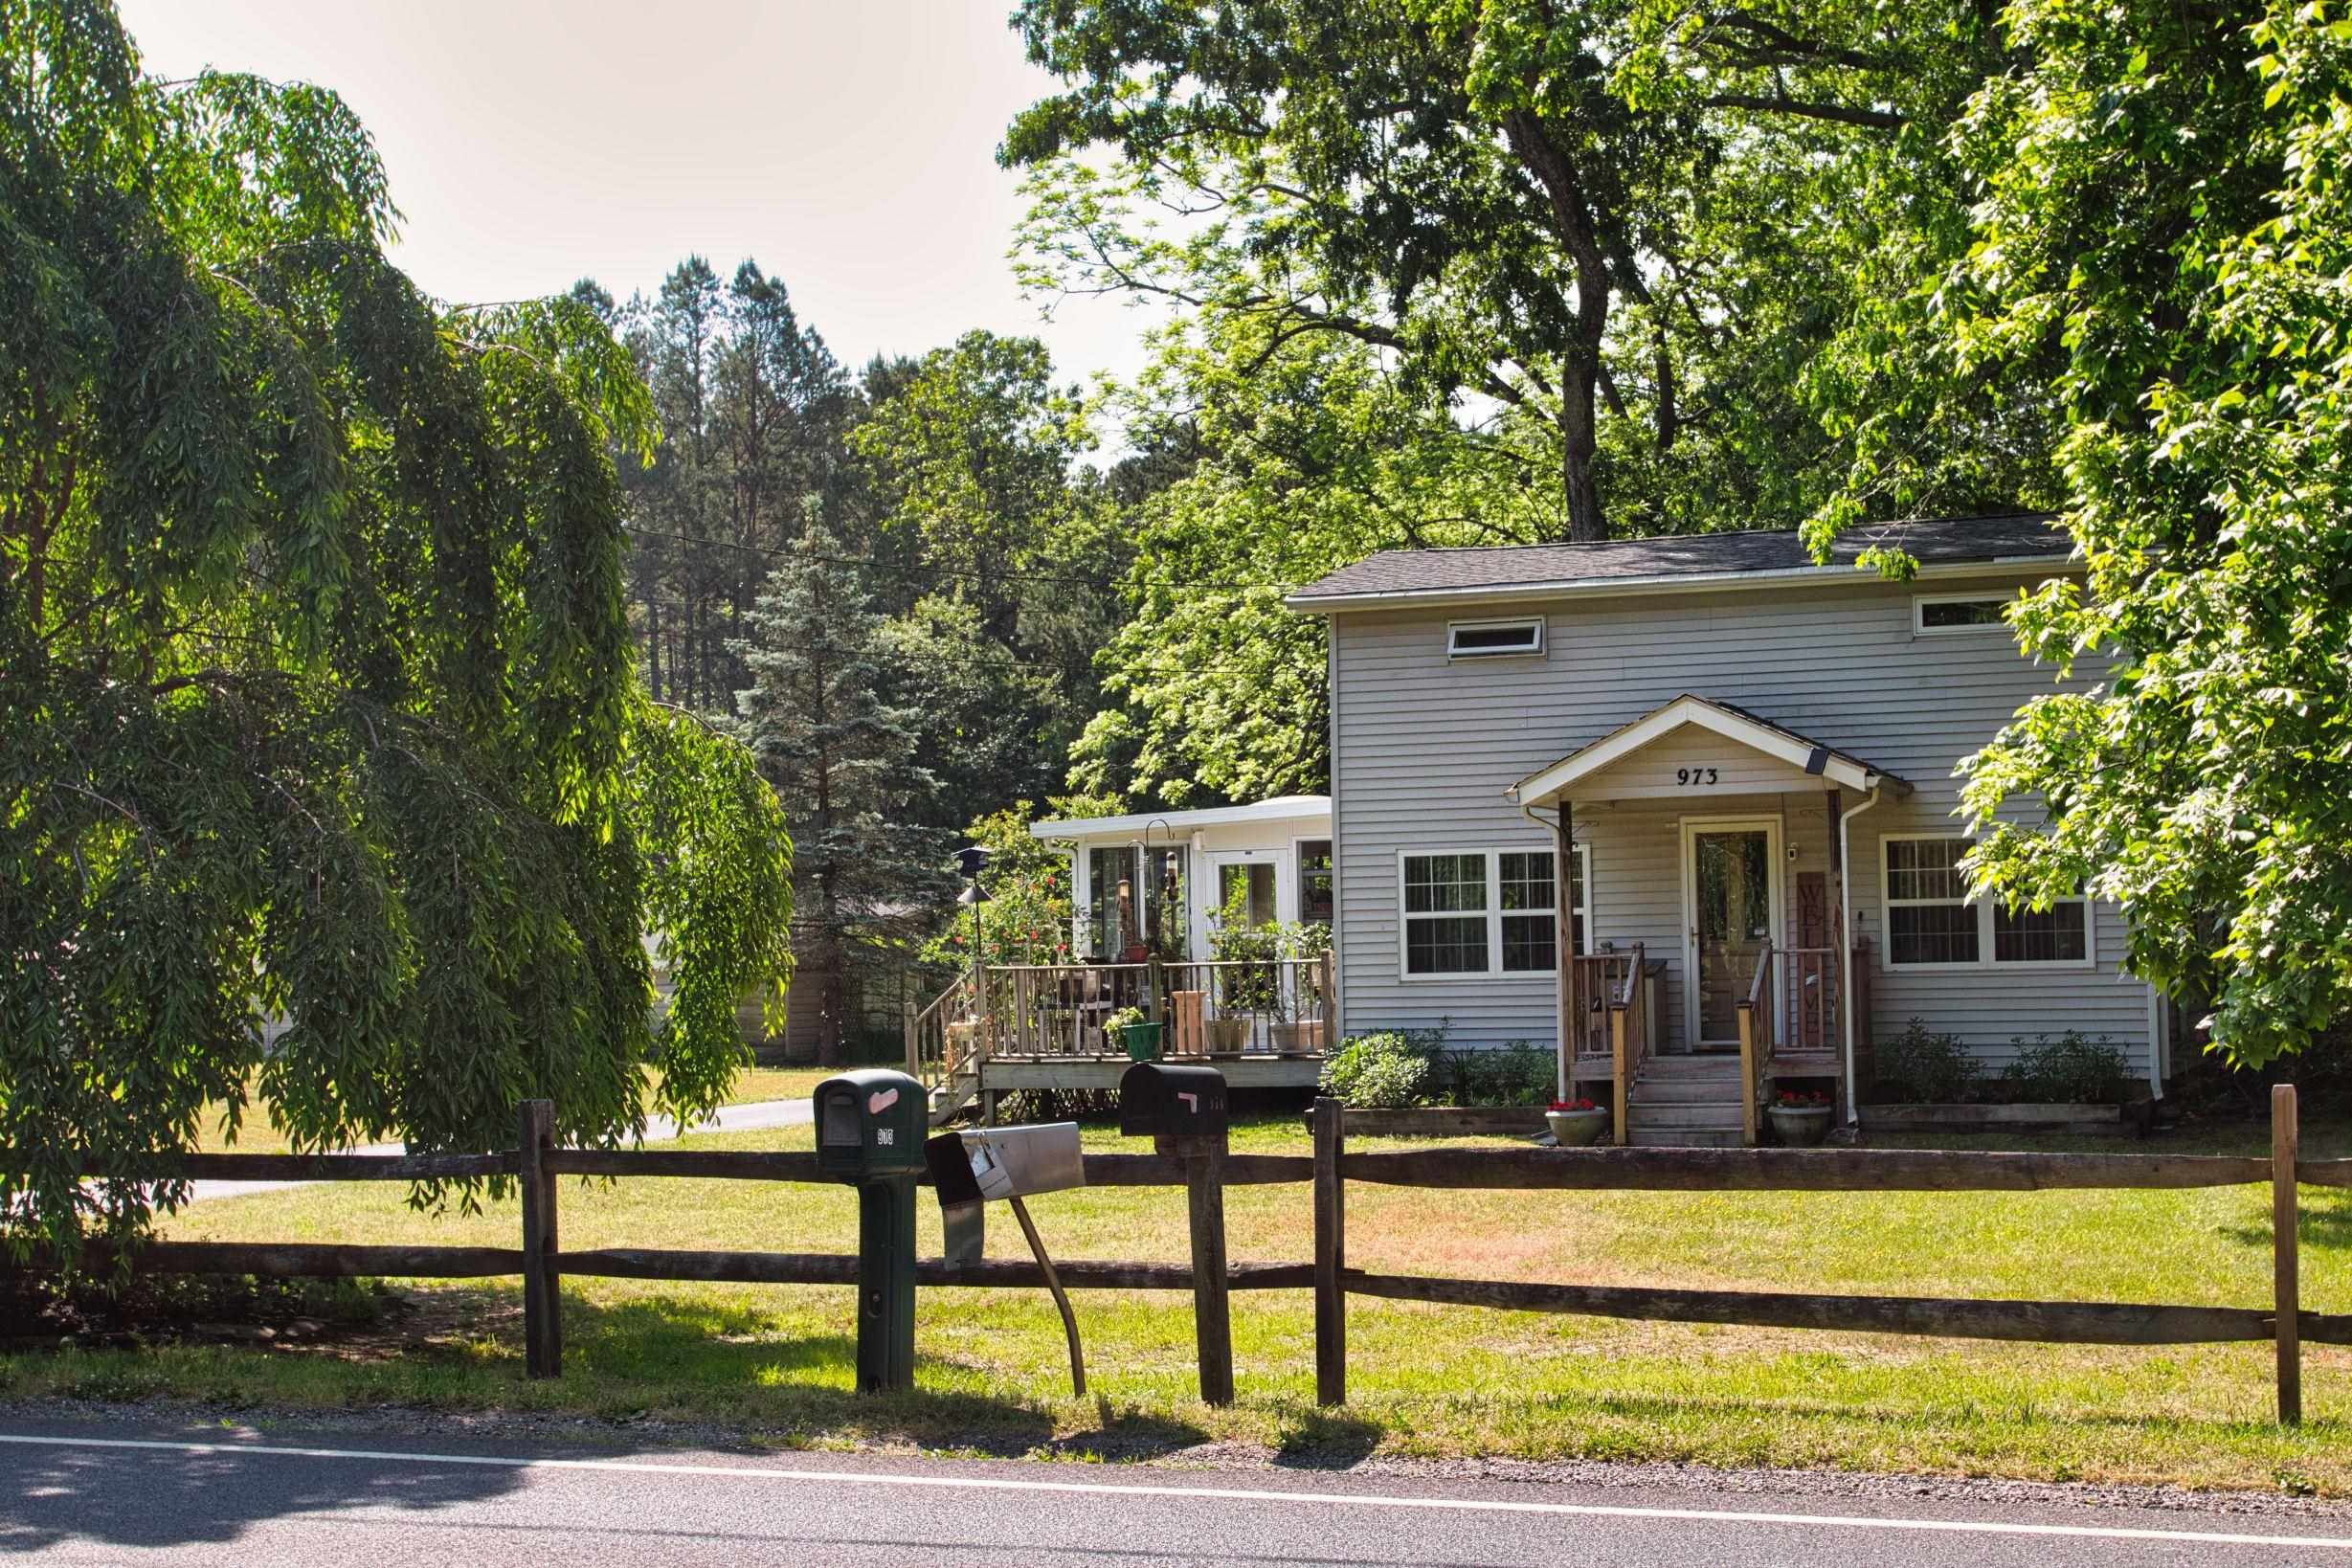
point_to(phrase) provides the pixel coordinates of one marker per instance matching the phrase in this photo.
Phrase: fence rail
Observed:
(542, 1260)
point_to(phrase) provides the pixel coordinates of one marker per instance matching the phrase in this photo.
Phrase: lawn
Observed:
(1424, 1380)
(256, 1137)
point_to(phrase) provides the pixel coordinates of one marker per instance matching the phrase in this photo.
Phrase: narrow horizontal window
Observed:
(1492, 639)
(1958, 611)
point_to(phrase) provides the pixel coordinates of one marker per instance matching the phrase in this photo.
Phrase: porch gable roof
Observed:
(1548, 786)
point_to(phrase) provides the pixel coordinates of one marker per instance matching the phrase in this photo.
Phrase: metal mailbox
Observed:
(989, 1164)
(871, 1122)
(1158, 1099)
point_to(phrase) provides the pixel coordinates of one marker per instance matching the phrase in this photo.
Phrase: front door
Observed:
(1731, 904)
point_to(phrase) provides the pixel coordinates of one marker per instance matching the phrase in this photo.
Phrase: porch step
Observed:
(1643, 1138)
(1710, 1066)
(1682, 1089)
(1695, 1113)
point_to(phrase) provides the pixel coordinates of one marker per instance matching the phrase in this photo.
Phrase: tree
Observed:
(1308, 456)
(841, 760)
(2160, 227)
(315, 696)
(1519, 201)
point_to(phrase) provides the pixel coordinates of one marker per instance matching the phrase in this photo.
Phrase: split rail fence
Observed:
(542, 1262)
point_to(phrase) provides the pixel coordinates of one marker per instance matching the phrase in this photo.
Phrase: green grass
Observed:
(1424, 1380)
(256, 1137)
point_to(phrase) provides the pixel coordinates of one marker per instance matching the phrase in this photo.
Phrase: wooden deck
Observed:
(1255, 1070)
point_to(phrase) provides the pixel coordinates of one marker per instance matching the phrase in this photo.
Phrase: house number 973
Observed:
(1696, 778)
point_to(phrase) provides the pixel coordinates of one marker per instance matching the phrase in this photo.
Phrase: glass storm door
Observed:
(1733, 880)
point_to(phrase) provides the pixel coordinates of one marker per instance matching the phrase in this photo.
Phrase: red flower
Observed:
(1574, 1105)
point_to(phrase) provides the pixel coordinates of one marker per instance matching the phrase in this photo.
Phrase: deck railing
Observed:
(1208, 1007)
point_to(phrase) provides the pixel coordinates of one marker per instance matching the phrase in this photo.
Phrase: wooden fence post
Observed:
(1204, 1194)
(543, 1326)
(1330, 1258)
(2285, 1285)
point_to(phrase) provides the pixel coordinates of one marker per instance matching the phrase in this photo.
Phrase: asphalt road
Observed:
(79, 1493)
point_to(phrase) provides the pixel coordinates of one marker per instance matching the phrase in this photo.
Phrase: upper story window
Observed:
(1935, 614)
(1493, 639)
(1933, 924)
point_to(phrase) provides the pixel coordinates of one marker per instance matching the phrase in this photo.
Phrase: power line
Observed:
(925, 570)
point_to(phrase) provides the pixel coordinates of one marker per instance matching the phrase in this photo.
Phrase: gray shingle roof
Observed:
(1931, 541)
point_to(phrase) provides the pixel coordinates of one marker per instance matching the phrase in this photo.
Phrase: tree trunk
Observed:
(1579, 496)
(1575, 222)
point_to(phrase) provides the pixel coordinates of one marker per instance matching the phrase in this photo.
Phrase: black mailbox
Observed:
(1157, 1100)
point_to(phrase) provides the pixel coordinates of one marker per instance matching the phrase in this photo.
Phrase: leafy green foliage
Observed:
(2070, 1071)
(1375, 1072)
(1922, 1067)
(2159, 238)
(315, 698)
(1028, 916)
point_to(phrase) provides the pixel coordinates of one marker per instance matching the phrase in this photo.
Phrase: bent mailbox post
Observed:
(870, 1124)
(1004, 1164)
(1182, 1109)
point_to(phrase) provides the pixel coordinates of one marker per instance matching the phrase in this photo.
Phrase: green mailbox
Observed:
(870, 1128)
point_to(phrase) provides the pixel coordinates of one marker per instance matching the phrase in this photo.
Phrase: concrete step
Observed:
(1685, 1138)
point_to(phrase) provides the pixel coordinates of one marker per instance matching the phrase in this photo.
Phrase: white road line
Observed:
(1097, 1488)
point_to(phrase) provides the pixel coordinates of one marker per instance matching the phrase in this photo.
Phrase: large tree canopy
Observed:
(2159, 230)
(315, 690)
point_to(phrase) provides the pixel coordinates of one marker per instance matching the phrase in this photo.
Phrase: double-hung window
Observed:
(1933, 924)
(1486, 911)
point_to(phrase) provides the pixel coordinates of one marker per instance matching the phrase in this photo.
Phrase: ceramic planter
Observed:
(1799, 1127)
(1298, 1039)
(1575, 1129)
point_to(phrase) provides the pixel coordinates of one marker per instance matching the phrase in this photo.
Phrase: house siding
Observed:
(1425, 748)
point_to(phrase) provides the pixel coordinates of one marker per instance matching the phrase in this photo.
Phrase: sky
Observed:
(847, 145)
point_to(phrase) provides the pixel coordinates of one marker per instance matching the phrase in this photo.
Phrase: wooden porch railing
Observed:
(1629, 1037)
(1755, 1035)
(1221, 1006)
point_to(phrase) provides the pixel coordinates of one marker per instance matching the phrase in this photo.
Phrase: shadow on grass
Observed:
(1325, 1439)
(2324, 1221)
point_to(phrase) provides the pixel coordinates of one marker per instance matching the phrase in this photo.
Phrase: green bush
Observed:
(1924, 1068)
(1516, 1075)
(2070, 1071)
(1375, 1072)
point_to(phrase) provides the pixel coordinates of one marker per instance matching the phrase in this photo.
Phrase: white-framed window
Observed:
(1316, 882)
(1493, 639)
(1486, 911)
(1933, 924)
(1942, 615)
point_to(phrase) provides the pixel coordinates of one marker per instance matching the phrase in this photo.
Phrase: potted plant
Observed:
(1800, 1119)
(1228, 1035)
(1575, 1123)
(1137, 1032)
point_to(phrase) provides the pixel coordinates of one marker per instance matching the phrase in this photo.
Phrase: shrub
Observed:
(1923, 1067)
(2070, 1071)
(1516, 1075)
(1375, 1072)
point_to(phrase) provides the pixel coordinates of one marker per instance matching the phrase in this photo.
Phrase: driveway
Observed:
(744, 1118)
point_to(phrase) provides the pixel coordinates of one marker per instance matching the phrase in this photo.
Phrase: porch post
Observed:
(1845, 959)
(1563, 868)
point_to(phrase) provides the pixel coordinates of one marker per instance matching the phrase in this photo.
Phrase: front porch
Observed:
(1718, 966)
(1263, 1023)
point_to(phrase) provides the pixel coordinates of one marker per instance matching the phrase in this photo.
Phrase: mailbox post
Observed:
(1182, 1109)
(870, 1124)
(971, 1168)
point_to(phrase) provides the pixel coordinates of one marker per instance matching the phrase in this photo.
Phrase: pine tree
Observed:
(841, 759)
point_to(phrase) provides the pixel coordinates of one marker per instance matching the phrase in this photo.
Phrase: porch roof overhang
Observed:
(1311, 809)
(1832, 766)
